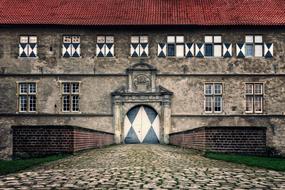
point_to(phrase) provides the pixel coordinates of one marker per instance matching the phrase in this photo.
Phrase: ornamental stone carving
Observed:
(142, 90)
(142, 83)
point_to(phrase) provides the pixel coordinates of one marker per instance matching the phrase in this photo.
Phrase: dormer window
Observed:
(28, 46)
(71, 46)
(213, 46)
(253, 46)
(105, 46)
(175, 46)
(139, 46)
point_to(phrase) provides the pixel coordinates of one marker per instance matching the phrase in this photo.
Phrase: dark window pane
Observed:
(208, 106)
(75, 87)
(249, 103)
(23, 88)
(249, 50)
(23, 103)
(66, 103)
(170, 50)
(208, 49)
(33, 103)
(66, 87)
(218, 103)
(75, 103)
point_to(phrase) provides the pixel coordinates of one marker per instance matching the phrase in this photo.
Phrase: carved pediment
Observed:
(141, 67)
(141, 78)
(164, 91)
(122, 90)
(142, 83)
(142, 87)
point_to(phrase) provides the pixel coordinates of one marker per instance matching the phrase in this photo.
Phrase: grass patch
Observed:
(277, 164)
(11, 166)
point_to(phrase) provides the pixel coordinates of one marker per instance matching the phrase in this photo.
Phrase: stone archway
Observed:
(141, 125)
(142, 90)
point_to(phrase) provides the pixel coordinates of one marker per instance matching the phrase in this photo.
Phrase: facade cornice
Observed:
(124, 74)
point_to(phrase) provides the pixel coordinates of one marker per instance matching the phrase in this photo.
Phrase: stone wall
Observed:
(45, 140)
(99, 77)
(241, 140)
(189, 139)
(50, 58)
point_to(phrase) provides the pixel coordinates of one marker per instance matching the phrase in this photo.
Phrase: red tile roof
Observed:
(143, 12)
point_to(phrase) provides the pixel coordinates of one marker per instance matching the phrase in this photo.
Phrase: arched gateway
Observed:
(142, 111)
(141, 125)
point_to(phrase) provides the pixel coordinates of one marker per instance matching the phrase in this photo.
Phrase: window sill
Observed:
(71, 112)
(71, 57)
(254, 113)
(213, 57)
(174, 57)
(28, 58)
(26, 112)
(114, 57)
(213, 112)
(139, 57)
(254, 57)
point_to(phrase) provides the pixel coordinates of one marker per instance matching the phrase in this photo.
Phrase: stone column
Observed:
(153, 81)
(117, 107)
(130, 84)
(166, 118)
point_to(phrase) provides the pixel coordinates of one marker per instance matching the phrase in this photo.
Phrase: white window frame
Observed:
(70, 94)
(140, 41)
(253, 95)
(28, 42)
(28, 94)
(72, 42)
(213, 95)
(105, 42)
(254, 44)
(212, 39)
(176, 42)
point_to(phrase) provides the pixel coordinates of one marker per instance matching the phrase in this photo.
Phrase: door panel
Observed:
(141, 126)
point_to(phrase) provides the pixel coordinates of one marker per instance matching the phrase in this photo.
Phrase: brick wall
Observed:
(190, 139)
(44, 140)
(85, 139)
(244, 140)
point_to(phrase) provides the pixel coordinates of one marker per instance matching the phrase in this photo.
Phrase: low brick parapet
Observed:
(45, 140)
(243, 140)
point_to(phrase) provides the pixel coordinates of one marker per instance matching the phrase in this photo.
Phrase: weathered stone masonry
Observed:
(99, 77)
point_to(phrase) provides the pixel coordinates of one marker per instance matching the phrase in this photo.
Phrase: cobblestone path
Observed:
(142, 167)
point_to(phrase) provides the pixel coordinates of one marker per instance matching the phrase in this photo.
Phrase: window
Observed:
(27, 96)
(213, 97)
(28, 46)
(213, 46)
(139, 46)
(71, 46)
(254, 97)
(105, 46)
(175, 46)
(70, 96)
(253, 46)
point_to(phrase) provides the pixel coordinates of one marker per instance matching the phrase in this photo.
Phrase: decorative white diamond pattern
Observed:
(155, 126)
(127, 126)
(145, 124)
(141, 126)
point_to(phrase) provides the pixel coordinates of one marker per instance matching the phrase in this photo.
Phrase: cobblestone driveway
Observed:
(142, 167)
